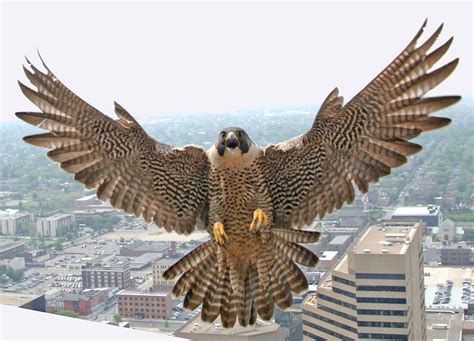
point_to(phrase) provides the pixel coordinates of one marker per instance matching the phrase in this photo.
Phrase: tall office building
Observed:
(376, 291)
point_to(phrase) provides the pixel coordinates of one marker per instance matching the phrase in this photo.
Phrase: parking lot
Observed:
(447, 287)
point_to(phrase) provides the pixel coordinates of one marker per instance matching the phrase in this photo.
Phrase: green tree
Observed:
(15, 275)
(68, 313)
(58, 246)
(117, 318)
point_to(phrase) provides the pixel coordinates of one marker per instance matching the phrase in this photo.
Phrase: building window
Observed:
(379, 276)
(381, 300)
(382, 312)
(343, 281)
(343, 292)
(382, 324)
(327, 331)
(381, 288)
(312, 336)
(336, 301)
(335, 312)
(378, 336)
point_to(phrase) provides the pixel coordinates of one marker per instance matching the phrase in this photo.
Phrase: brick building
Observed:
(457, 255)
(144, 305)
(88, 302)
(106, 277)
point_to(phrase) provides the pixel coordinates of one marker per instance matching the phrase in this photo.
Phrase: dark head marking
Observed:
(233, 137)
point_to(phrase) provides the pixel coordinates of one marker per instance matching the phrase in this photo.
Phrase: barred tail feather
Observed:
(242, 292)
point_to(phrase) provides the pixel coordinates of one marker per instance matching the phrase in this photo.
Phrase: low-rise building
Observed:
(159, 267)
(456, 254)
(340, 243)
(88, 302)
(145, 305)
(55, 225)
(430, 215)
(10, 223)
(10, 249)
(446, 230)
(327, 260)
(106, 277)
(139, 248)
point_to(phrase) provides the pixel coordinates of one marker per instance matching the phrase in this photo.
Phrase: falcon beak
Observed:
(232, 142)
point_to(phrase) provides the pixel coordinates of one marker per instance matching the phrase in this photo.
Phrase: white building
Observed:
(159, 267)
(10, 223)
(55, 226)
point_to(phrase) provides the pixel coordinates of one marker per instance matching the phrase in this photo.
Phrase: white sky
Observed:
(157, 57)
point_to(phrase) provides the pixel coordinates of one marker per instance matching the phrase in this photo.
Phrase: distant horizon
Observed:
(111, 113)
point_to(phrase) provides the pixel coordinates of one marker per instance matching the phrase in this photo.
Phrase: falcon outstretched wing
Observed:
(359, 142)
(166, 185)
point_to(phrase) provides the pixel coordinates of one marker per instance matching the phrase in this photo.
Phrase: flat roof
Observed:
(15, 298)
(147, 246)
(10, 245)
(135, 292)
(431, 210)
(57, 216)
(105, 268)
(339, 240)
(386, 238)
(328, 255)
(197, 326)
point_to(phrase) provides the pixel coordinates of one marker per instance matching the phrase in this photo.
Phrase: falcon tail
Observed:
(237, 291)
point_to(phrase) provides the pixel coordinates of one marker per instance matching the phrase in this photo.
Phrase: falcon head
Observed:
(233, 140)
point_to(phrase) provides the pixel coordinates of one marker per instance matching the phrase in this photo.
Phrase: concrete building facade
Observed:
(55, 226)
(9, 224)
(106, 277)
(159, 267)
(376, 291)
(145, 305)
(10, 250)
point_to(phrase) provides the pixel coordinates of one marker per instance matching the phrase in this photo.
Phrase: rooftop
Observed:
(386, 238)
(15, 298)
(56, 216)
(147, 246)
(328, 255)
(339, 240)
(197, 326)
(430, 210)
(107, 268)
(136, 292)
(4, 246)
(13, 215)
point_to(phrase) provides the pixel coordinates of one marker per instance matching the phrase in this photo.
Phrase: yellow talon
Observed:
(219, 233)
(259, 219)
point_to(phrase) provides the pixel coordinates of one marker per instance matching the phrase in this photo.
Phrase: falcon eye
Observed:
(222, 133)
(239, 134)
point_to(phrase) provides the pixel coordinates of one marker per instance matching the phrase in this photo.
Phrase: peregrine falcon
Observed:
(252, 201)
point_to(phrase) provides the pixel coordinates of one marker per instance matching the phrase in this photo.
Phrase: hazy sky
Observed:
(157, 57)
